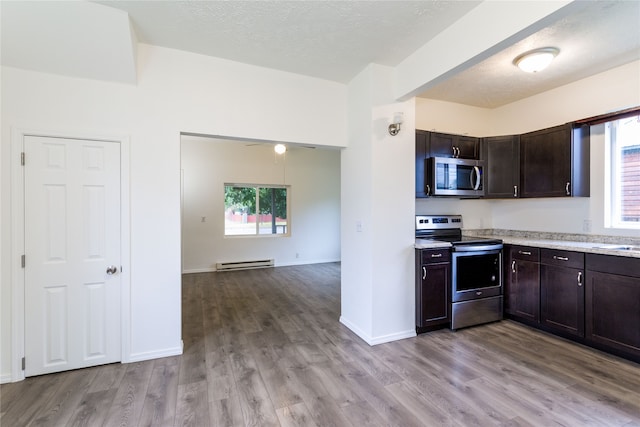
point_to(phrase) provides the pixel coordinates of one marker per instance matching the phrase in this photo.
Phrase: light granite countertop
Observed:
(430, 244)
(588, 243)
(605, 245)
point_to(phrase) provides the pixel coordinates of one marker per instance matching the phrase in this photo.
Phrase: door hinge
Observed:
(22, 158)
(23, 261)
(24, 363)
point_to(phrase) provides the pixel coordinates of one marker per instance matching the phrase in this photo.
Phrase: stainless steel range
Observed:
(476, 266)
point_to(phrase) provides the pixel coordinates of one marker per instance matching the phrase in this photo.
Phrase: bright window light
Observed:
(622, 198)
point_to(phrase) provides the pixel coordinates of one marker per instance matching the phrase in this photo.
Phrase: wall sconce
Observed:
(280, 148)
(394, 127)
(536, 60)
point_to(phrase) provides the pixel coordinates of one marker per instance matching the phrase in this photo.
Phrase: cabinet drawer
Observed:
(432, 256)
(525, 253)
(613, 264)
(562, 258)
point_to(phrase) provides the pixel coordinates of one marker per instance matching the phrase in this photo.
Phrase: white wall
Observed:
(176, 92)
(314, 201)
(613, 90)
(377, 257)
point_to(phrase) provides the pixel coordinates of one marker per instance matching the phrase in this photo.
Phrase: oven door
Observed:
(476, 274)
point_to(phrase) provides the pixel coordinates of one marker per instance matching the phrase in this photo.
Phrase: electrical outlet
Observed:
(359, 226)
(586, 226)
(297, 255)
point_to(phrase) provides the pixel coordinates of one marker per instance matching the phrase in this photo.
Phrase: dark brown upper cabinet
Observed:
(502, 173)
(457, 146)
(432, 144)
(554, 162)
(422, 153)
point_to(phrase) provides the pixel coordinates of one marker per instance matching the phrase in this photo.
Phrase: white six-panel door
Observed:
(72, 247)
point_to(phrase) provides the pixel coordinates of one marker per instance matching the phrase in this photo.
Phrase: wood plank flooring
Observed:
(265, 348)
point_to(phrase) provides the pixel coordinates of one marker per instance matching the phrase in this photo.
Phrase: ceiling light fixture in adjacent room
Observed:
(536, 60)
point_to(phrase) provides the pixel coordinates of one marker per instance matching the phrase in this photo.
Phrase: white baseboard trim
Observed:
(198, 270)
(356, 330)
(156, 354)
(393, 337)
(278, 264)
(377, 340)
(5, 378)
(305, 262)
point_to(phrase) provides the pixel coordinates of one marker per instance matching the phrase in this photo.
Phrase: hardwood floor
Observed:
(264, 347)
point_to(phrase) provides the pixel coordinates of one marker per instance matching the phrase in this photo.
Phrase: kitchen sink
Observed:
(617, 247)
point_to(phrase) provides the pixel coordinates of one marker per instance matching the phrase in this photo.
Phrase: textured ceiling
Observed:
(332, 40)
(599, 37)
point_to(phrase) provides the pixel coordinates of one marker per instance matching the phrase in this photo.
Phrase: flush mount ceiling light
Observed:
(280, 148)
(536, 60)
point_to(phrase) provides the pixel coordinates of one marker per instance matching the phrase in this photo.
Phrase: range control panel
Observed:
(436, 222)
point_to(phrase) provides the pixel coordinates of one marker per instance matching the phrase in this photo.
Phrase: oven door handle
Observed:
(477, 248)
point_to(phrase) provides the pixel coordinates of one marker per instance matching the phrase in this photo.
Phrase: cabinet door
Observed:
(612, 311)
(446, 145)
(433, 289)
(522, 285)
(545, 163)
(422, 152)
(442, 145)
(467, 147)
(502, 177)
(435, 295)
(526, 290)
(562, 299)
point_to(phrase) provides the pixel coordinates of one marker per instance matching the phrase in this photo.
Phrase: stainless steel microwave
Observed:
(455, 177)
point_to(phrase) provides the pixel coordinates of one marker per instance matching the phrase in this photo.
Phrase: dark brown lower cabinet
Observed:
(522, 284)
(562, 291)
(612, 300)
(591, 298)
(433, 289)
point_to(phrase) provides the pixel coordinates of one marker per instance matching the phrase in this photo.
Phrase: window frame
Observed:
(257, 187)
(613, 176)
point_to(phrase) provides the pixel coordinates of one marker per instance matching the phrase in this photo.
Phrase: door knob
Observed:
(112, 269)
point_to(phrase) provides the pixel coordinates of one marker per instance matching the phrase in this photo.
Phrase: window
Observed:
(255, 210)
(622, 138)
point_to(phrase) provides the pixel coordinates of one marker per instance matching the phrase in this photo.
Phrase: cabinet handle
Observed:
(524, 252)
(438, 255)
(561, 258)
(567, 188)
(513, 266)
(579, 278)
(424, 273)
(515, 191)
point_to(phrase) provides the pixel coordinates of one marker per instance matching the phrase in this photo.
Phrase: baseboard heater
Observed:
(244, 265)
